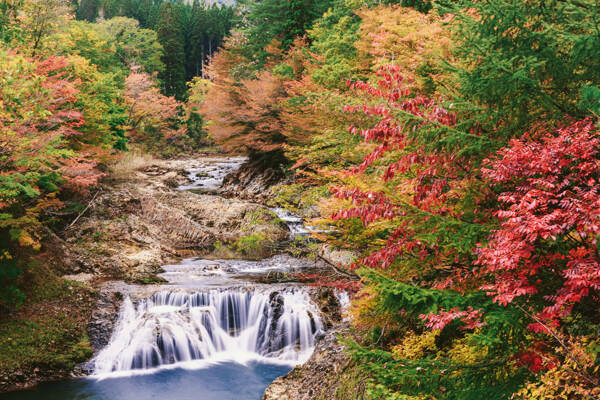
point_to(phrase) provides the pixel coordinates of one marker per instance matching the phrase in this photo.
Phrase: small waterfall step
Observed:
(209, 176)
(235, 324)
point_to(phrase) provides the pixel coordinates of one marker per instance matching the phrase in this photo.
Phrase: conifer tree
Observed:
(170, 37)
(88, 10)
(282, 20)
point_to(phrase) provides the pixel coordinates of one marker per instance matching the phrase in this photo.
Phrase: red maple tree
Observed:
(547, 241)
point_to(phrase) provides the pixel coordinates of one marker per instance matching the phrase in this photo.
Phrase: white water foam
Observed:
(209, 176)
(195, 330)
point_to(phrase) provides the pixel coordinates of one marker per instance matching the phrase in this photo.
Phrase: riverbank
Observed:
(329, 374)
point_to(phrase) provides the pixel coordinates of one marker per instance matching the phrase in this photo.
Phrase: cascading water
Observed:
(294, 222)
(209, 176)
(232, 324)
(214, 332)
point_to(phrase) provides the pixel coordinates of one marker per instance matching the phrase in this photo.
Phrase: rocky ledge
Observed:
(328, 374)
(142, 221)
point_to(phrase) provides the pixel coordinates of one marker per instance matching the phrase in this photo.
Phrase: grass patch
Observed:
(127, 166)
(261, 217)
(149, 280)
(252, 242)
(49, 333)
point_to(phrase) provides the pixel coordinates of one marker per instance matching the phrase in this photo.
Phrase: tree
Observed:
(152, 115)
(198, 88)
(170, 37)
(38, 123)
(281, 20)
(39, 18)
(242, 110)
(134, 45)
(531, 64)
(87, 10)
(544, 253)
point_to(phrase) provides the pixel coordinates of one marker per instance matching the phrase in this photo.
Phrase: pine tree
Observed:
(530, 63)
(282, 20)
(170, 37)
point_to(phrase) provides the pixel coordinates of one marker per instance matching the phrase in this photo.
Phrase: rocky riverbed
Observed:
(171, 225)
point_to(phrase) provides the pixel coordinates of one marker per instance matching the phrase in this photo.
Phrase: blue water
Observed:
(224, 381)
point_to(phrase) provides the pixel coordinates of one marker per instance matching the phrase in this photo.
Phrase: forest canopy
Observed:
(455, 145)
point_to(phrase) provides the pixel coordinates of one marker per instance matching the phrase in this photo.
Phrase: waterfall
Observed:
(173, 327)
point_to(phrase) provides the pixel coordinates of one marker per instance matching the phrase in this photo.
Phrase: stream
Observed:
(210, 332)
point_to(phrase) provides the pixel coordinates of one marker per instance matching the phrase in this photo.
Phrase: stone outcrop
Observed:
(135, 226)
(319, 377)
(253, 180)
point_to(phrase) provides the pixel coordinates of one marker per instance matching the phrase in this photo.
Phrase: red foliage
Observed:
(434, 174)
(318, 280)
(549, 228)
(471, 318)
(537, 358)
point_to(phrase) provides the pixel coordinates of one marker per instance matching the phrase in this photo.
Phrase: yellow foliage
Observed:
(199, 87)
(365, 311)
(415, 346)
(577, 377)
(464, 353)
(405, 37)
(26, 240)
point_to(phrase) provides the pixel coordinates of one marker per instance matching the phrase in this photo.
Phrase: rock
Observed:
(329, 305)
(83, 277)
(339, 258)
(254, 178)
(103, 319)
(318, 377)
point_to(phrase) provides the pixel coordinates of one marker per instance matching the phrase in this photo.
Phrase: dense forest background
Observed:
(453, 143)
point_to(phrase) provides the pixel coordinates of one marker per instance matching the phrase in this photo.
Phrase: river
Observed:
(210, 332)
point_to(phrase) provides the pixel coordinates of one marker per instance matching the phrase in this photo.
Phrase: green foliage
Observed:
(10, 294)
(333, 37)
(394, 379)
(442, 374)
(526, 60)
(201, 29)
(101, 98)
(284, 70)
(253, 244)
(87, 10)
(132, 44)
(281, 20)
(590, 99)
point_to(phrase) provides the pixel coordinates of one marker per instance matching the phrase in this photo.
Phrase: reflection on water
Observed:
(225, 381)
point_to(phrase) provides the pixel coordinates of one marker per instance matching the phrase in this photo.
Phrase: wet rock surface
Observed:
(315, 379)
(103, 319)
(253, 180)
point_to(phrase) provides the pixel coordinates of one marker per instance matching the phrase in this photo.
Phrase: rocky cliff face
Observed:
(253, 180)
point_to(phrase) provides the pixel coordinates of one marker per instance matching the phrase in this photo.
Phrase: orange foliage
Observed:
(242, 109)
(150, 112)
(404, 37)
